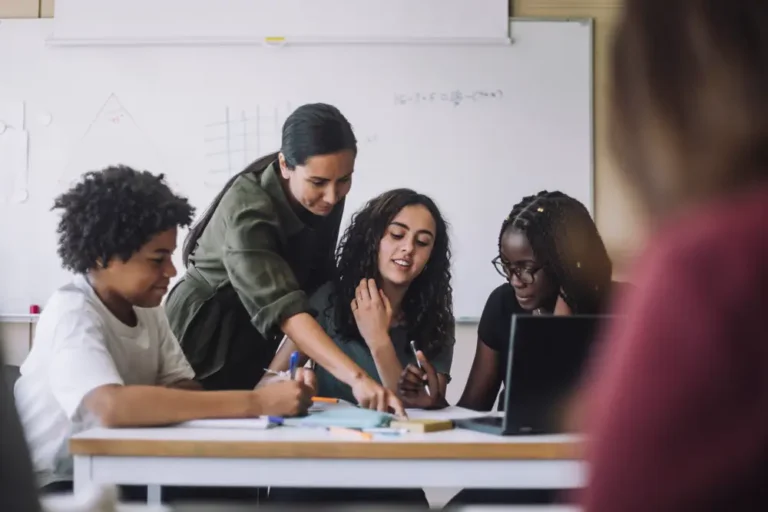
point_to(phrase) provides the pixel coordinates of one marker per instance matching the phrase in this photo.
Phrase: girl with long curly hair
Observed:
(392, 286)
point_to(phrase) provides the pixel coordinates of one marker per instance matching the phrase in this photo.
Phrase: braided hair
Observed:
(427, 305)
(566, 243)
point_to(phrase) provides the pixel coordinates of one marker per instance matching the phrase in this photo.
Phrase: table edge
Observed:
(325, 450)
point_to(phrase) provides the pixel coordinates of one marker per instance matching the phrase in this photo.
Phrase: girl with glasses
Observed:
(554, 262)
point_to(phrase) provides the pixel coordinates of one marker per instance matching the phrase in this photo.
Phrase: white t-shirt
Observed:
(79, 346)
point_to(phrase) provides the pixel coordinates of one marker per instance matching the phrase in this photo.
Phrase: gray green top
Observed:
(358, 351)
(254, 265)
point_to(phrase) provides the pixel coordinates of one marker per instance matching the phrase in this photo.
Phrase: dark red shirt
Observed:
(678, 407)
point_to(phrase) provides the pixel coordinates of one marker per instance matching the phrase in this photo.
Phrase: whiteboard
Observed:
(476, 128)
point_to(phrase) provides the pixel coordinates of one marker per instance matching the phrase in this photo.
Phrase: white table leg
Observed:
(154, 495)
(83, 473)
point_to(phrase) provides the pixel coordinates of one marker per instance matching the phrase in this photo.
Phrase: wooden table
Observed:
(307, 457)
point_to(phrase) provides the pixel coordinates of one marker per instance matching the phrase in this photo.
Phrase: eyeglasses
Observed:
(526, 275)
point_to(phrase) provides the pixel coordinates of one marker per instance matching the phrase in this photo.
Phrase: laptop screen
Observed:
(547, 356)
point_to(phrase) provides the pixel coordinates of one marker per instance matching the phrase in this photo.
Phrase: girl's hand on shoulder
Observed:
(412, 387)
(372, 312)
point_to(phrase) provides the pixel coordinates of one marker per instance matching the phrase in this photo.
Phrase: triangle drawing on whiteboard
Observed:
(112, 138)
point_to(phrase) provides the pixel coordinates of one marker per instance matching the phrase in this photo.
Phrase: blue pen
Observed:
(294, 364)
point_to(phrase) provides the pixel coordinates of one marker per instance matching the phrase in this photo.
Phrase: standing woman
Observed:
(266, 242)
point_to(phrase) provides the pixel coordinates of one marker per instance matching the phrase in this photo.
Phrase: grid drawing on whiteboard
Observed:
(241, 136)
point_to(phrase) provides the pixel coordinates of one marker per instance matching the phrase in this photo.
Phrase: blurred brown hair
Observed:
(690, 98)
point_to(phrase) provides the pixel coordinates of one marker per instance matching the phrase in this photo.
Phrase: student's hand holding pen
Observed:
(283, 398)
(419, 387)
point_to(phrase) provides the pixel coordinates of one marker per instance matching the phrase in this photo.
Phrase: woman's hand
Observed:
(371, 395)
(413, 384)
(373, 313)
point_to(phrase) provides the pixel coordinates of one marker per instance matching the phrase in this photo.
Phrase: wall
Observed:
(616, 214)
(15, 338)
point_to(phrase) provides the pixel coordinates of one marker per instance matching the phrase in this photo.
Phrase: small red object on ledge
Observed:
(34, 309)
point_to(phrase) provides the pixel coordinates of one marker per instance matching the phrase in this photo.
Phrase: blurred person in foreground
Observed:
(677, 411)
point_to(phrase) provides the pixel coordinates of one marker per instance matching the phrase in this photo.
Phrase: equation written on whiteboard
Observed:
(456, 97)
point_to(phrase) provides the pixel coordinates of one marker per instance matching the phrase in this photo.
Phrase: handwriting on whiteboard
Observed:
(455, 97)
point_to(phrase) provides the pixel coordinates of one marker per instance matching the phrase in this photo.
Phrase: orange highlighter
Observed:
(325, 400)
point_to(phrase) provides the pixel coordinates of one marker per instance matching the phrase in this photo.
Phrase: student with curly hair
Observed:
(263, 246)
(393, 285)
(104, 353)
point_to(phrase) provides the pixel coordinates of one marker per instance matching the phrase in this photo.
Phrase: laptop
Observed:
(547, 355)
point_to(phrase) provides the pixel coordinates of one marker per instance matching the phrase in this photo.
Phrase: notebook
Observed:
(346, 417)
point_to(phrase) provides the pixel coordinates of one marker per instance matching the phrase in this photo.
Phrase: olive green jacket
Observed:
(254, 266)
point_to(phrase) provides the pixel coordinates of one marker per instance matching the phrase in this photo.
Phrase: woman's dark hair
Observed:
(112, 213)
(311, 130)
(689, 109)
(566, 243)
(428, 304)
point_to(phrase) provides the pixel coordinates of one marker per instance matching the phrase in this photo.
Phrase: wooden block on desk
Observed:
(423, 425)
(19, 8)
(46, 8)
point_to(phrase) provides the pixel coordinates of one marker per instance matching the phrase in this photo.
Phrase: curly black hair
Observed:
(566, 243)
(428, 304)
(113, 213)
